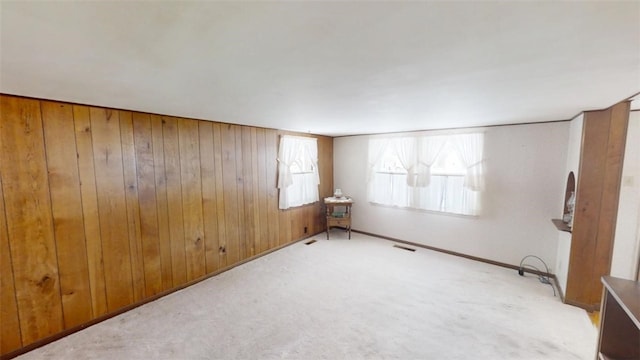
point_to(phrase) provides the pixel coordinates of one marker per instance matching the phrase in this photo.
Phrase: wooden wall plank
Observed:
(612, 176)
(263, 191)
(588, 199)
(29, 221)
(245, 213)
(239, 183)
(209, 200)
(174, 199)
(325, 166)
(298, 222)
(603, 142)
(112, 207)
(133, 206)
(192, 198)
(164, 232)
(284, 218)
(271, 140)
(149, 230)
(228, 137)
(220, 207)
(10, 338)
(66, 205)
(91, 219)
(255, 190)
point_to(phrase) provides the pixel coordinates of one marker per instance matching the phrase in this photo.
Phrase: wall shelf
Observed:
(561, 225)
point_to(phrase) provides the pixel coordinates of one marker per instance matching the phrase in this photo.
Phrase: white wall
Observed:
(573, 164)
(525, 167)
(627, 240)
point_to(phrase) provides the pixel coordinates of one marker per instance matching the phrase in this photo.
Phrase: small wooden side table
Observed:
(341, 219)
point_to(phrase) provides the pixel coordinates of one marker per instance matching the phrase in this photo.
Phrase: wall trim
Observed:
(455, 253)
(67, 332)
(587, 307)
(554, 283)
(460, 128)
(298, 133)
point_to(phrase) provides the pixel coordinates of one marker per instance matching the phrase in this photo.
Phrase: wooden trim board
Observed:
(454, 253)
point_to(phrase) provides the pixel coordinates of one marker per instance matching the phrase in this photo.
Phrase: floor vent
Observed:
(404, 247)
(310, 242)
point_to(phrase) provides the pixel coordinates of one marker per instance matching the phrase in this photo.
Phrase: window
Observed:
(438, 172)
(298, 177)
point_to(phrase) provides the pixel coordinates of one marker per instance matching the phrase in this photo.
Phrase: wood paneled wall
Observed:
(604, 137)
(105, 208)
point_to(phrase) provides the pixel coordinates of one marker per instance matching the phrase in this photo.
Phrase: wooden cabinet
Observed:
(338, 218)
(620, 320)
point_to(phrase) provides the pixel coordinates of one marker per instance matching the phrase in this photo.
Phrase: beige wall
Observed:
(525, 172)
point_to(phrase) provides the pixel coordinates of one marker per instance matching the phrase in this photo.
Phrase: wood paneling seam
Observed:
(53, 233)
(13, 273)
(84, 229)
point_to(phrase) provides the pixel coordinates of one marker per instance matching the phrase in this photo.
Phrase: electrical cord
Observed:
(545, 279)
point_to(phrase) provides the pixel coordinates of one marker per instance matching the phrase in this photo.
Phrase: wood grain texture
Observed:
(102, 209)
(284, 226)
(252, 163)
(112, 207)
(11, 338)
(174, 199)
(29, 221)
(271, 140)
(260, 157)
(164, 231)
(191, 198)
(240, 181)
(232, 247)
(210, 217)
(325, 166)
(66, 206)
(597, 192)
(133, 206)
(220, 207)
(588, 200)
(146, 180)
(612, 178)
(91, 219)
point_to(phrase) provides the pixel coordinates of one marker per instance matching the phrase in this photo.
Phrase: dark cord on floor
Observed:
(545, 279)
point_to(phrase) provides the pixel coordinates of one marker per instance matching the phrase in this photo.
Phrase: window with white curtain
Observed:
(430, 172)
(298, 176)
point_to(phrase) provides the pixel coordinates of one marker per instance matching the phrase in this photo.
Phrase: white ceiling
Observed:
(331, 68)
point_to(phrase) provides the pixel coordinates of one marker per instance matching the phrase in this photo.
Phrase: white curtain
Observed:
(447, 191)
(377, 148)
(447, 194)
(407, 152)
(417, 154)
(299, 187)
(470, 147)
(428, 149)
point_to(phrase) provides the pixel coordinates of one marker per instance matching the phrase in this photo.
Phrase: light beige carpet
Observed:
(345, 299)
